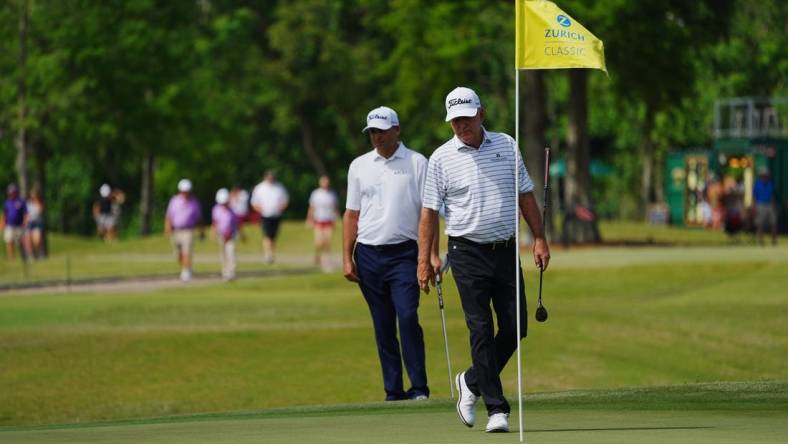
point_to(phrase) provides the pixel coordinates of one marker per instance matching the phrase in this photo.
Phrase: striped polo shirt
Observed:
(476, 186)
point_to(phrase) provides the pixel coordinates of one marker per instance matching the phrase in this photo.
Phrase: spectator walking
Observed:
(224, 224)
(765, 205)
(321, 216)
(105, 216)
(239, 203)
(270, 199)
(35, 225)
(13, 222)
(182, 217)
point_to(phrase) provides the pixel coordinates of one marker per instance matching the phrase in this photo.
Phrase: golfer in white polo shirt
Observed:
(472, 175)
(380, 249)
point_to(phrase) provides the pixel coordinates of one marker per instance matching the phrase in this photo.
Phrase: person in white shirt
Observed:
(380, 228)
(270, 199)
(321, 216)
(473, 175)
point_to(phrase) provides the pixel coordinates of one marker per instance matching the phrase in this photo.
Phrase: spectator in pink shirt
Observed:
(183, 216)
(224, 224)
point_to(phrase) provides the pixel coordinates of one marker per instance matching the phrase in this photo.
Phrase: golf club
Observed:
(443, 270)
(541, 311)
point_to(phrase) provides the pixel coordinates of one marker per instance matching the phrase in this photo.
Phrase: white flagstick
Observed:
(517, 243)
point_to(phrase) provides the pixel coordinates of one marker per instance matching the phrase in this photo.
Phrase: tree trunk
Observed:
(535, 106)
(22, 136)
(647, 178)
(146, 193)
(659, 179)
(40, 184)
(579, 225)
(307, 139)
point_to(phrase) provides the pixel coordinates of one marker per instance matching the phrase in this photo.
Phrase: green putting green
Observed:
(698, 413)
(618, 318)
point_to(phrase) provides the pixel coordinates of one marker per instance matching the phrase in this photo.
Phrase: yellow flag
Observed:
(548, 38)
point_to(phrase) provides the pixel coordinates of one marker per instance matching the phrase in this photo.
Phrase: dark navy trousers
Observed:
(388, 283)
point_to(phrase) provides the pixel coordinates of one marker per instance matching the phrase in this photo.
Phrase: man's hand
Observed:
(349, 271)
(425, 275)
(436, 263)
(541, 253)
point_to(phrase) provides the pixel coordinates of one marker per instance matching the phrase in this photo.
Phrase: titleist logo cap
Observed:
(462, 102)
(381, 118)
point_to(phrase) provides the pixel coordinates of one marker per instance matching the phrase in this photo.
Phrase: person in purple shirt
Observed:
(14, 220)
(182, 217)
(224, 224)
(765, 205)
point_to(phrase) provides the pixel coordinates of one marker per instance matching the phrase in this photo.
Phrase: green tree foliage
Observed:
(220, 91)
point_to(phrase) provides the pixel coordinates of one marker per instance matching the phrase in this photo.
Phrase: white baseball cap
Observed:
(185, 185)
(222, 196)
(105, 190)
(462, 102)
(381, 118)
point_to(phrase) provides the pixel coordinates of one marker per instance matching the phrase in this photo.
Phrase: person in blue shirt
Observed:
(765, 205)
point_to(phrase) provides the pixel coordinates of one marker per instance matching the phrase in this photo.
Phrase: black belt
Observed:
(504, 243)
(392, 247)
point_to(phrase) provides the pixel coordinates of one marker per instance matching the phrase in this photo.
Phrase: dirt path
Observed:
(141, 283)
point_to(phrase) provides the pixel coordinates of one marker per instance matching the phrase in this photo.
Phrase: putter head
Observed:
(541, 313)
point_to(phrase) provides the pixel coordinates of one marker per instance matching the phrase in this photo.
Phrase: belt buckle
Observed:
(504, 243)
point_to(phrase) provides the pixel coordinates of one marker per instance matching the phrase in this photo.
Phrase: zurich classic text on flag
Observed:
(548, 38)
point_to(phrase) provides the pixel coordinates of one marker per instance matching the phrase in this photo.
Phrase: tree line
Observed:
(139, 94)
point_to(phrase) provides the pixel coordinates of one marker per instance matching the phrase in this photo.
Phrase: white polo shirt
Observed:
(477, 187)
(324, 205)
(270, 197)
(387, 194)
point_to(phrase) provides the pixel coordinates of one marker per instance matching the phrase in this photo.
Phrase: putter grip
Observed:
(546, 166)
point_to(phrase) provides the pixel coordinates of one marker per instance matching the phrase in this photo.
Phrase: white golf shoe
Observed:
(466, 402)
(498, 423)
(186, 275)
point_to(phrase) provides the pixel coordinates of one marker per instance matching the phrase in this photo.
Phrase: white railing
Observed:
(751, 117)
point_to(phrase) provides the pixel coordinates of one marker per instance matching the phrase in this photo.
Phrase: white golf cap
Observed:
(185, 185)
(462, 102)
(381, 118)
(222, 196)
(105, 190)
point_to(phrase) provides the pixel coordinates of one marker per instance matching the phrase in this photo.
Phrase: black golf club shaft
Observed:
(541, 311)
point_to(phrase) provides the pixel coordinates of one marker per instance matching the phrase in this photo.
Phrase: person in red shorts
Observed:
(321, 216)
